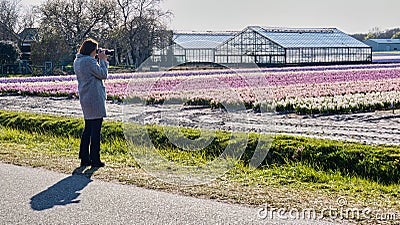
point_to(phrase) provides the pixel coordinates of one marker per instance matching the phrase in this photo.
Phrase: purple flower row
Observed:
(282, 84)
(241, 72)
(265, 80)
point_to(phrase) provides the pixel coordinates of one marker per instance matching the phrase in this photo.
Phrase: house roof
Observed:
(308, 37)
(29, 34)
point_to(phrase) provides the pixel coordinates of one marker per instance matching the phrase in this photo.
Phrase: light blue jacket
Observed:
(92, 92)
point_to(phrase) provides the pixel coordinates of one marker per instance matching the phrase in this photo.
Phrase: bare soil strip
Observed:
(380, 127)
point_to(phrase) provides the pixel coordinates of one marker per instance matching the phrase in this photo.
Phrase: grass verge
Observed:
(296, 183)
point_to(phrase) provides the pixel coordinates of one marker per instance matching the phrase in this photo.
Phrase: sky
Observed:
(350, 16)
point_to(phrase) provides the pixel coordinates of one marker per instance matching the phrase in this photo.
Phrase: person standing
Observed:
(90, 73)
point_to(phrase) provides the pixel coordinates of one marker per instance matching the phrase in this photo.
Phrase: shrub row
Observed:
(378, 163)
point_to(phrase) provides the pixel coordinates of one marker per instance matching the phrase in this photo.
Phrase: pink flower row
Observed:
(248, 85)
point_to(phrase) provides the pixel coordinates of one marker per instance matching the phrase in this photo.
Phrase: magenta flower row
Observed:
(275, 83)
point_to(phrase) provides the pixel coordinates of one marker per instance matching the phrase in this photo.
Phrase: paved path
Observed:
(37, 196)
(370, 128)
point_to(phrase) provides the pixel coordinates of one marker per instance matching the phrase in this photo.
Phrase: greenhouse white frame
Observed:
(265, 46)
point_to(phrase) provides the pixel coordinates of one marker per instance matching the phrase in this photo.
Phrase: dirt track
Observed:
(371, 128)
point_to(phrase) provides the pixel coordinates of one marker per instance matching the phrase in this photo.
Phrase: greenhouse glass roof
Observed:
(308, 38)
(205, 40)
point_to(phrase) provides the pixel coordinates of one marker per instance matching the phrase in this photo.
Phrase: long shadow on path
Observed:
(64, 192)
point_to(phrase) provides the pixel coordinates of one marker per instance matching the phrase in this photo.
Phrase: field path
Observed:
(46, 197)
(381, 127)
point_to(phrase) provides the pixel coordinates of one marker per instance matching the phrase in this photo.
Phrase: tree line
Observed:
(131, 27)
(377, 33)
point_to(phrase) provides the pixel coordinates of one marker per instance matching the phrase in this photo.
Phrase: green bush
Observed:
(9, 52)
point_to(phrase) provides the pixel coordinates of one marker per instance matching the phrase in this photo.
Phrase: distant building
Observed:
(379, 45)
(285, 46)
(26, 38)
(267, 46)
(192, 47)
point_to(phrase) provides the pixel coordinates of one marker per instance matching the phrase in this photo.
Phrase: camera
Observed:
(106, 51)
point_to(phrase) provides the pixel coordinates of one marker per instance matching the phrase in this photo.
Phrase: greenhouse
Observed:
(192, 47)
(267, 46)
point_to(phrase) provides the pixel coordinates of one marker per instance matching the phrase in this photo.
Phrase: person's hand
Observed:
(102, 55)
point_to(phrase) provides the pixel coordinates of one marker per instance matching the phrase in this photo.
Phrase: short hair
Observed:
(88, 46)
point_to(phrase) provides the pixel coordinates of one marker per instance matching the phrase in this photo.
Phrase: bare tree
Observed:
(51, 48)
(9, 14)
(131, 27)
(142, 21)
(75, 20)
(28, 18)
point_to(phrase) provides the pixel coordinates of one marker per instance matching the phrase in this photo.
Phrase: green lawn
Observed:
(298, 172)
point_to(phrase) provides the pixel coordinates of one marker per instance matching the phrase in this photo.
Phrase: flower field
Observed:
(386, 57)
(319, 89)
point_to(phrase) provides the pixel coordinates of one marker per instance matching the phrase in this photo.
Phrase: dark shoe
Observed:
(85, 163)
(98, 164)
(79, 170)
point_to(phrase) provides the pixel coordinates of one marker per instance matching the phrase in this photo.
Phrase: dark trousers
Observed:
(91, 137)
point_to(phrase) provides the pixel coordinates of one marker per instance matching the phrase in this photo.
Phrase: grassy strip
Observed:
(293, 185)
(377, 163)
(55, 125)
